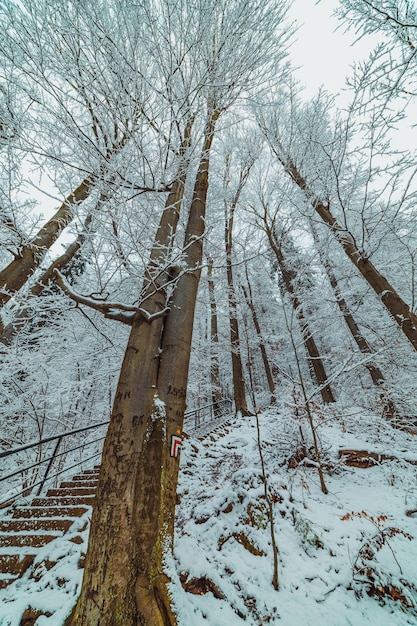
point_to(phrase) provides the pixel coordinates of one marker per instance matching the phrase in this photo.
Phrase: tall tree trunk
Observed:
(216, 393)
(133, 519)
(237, 368)
(262, 347)
(398, 309)
(48, 276)
(61, 263)
(375, 373)
(30, 256)
(14, 276)
(313, 355)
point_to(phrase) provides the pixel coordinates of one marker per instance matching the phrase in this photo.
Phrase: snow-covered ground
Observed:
(345, 558)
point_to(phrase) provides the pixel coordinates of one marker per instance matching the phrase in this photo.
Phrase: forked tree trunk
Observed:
(133, 520)
(262, 347)
(216, 393)
(313, 355)
(398, 309)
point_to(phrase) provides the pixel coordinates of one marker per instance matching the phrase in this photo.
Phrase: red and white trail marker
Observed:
(176, 443)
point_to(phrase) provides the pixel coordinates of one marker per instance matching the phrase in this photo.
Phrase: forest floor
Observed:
(345, 558)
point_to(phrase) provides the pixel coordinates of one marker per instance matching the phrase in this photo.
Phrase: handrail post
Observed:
(52, 459)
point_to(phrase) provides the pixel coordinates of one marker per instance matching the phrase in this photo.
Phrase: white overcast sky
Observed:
(324, 54)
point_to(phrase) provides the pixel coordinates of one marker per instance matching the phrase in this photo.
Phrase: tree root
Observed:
(154, 603)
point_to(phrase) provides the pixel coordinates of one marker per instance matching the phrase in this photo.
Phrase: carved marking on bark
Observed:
(180, 392)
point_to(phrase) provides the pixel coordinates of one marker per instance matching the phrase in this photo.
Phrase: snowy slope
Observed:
(330, 552)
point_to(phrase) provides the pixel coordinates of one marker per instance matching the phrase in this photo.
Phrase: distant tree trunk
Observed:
(118, 247)
(313, 355)
(375, 373)
(237, 368)
(216, 393)
(393, 302)
(133, 520)
(249, 364)
(262, 347)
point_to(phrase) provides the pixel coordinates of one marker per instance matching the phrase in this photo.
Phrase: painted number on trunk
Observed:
(176, 443)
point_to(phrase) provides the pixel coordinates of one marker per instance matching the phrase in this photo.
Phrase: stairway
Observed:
(26, 529)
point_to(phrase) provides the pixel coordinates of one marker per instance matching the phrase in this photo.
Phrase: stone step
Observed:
(30, 539)
(64, 501)
(31, 524)
(85, 477)
(13, 566)
(33, 512)
(15, 563)
(76, 491)
(7, 579)
(78, 483)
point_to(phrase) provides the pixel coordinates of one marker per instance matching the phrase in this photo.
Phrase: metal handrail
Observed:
(197, 413)
(206, 406)
(50, 458)
(41, 482)
(92, 426)
(193, 412)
